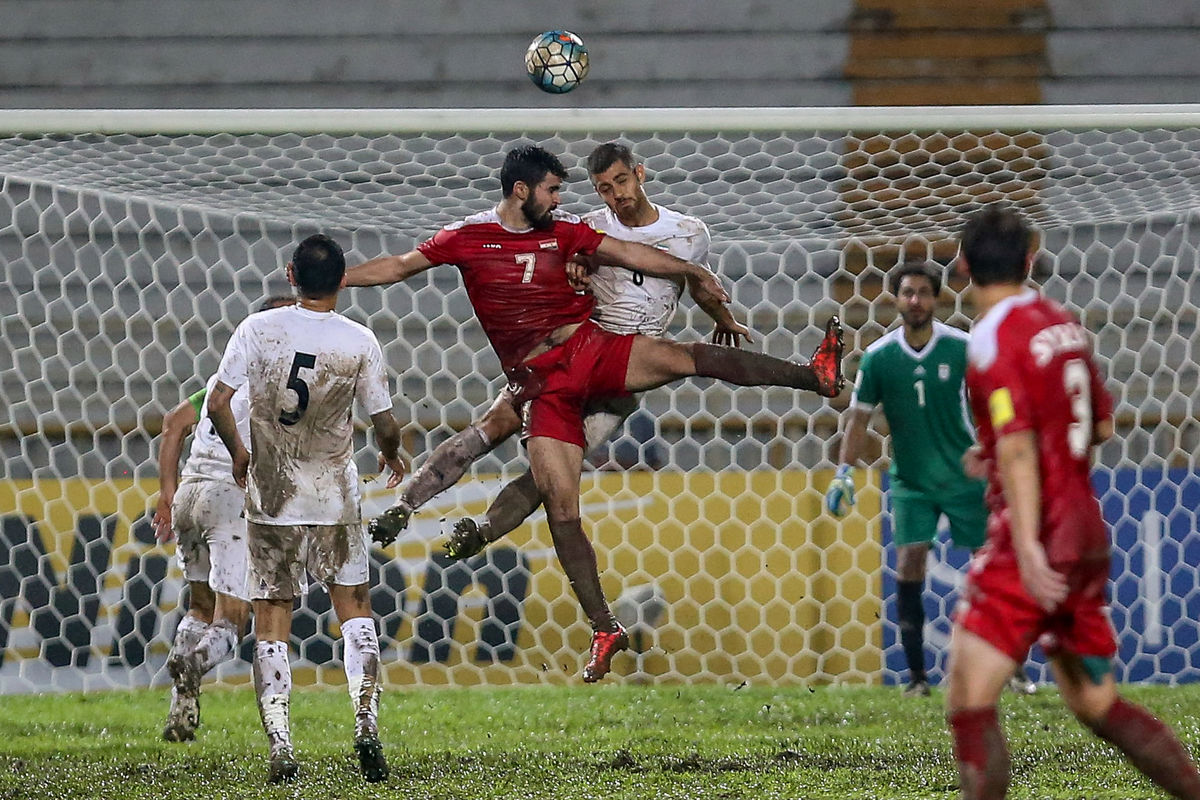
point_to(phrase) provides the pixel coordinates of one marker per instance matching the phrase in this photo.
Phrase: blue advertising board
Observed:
(1155, 592)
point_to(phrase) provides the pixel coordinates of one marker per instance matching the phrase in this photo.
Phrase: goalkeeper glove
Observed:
(840, 494)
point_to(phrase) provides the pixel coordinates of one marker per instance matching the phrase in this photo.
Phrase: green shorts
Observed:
(915, 516)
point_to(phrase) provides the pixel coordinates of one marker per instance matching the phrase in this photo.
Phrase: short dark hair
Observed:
(319, 266)
(995, 244)
(276, 301)
(926, 269)
(607, 154)
(529, 164)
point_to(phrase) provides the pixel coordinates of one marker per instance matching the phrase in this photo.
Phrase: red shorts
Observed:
(557, 384)
(996, 607)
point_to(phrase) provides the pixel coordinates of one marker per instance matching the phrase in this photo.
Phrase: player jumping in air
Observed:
(1041, 406)
(627, 302)
(558, 359)
(917, 374)
(204, 513)
(304, 367)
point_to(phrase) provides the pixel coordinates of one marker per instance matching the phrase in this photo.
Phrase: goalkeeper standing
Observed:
(917, 373)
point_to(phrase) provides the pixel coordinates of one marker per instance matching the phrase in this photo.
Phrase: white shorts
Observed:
(280, 555)
(210, 535)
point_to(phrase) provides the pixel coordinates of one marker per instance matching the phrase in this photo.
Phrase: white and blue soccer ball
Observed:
(556, 61)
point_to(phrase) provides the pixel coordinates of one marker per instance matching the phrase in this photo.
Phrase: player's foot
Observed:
(917, 688)
(371, 762)
(387, 526)
(826, 361)
(605, 645)
(182, 719)
(465, 539)
(283, 766)
(1020, 684)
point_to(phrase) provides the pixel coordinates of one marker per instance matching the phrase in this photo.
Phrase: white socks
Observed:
(361, 661)
(187, 635)
(216, 644)
(273, 683)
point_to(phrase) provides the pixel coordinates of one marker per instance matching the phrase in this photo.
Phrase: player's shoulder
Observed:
(489, 217)
(566, 217)
(951, 339)
(889, 340)
(354, 330)
(598, 219)
(271, 319)
(1004, 323)
(686, 224)
(950, 332)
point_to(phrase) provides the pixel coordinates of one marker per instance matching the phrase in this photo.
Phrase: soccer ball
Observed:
(556, 61)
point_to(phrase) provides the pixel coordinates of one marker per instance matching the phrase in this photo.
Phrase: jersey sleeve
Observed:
(197, 401)
(579, 237)
(1005, 390)
(866, 386)
(372, 389)
(699, 254)
(442, 247)
(232, 371)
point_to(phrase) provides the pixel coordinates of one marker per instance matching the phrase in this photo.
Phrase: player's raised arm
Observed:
(387, 436)
(221, 414)
(177, 424)
(728, 330)
(703, 285)
(386, 270)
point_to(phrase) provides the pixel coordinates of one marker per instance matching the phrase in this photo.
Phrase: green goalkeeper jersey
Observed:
(924, 399)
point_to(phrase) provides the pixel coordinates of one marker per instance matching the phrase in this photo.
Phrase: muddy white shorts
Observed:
(210, 533)
(280, 555)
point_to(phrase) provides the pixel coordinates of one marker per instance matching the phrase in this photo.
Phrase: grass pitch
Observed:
(609, 741)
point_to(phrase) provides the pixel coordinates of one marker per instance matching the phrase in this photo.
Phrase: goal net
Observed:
(134, 242)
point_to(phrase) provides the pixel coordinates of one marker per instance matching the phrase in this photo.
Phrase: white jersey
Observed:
(209, 459)
(628, 301)
(304, 370)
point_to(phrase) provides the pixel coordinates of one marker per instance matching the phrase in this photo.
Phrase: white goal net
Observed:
(133, 242)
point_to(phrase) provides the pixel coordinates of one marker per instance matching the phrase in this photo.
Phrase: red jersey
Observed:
(516, 280)
(1030, 367)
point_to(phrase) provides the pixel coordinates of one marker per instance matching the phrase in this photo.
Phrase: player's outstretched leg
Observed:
(273, 685)
(1089, 690)
(361, 662)
(183, 717)
(516, 501)
(445, 466)
(822, 374)
(520, 497)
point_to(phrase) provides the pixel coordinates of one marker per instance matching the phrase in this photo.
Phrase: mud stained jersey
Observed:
(304, 370)
(628, 301)
(516, 278)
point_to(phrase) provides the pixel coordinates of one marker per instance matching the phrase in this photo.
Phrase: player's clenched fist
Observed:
(839, 497)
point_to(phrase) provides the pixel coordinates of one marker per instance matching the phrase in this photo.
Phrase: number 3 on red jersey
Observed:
(1077, 380)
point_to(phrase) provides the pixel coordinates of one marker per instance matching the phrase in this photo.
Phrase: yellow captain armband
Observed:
(1000, 406)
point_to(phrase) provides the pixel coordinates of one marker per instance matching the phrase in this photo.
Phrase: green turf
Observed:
(610, 741)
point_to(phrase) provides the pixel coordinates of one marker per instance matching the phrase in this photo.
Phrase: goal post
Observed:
(134, 241)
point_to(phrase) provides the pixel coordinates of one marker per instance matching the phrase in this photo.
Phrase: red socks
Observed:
(983, 767)
(1152, 747)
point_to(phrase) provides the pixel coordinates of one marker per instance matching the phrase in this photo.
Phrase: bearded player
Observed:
(1041, 406)
(627, 302)
(558, 359)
